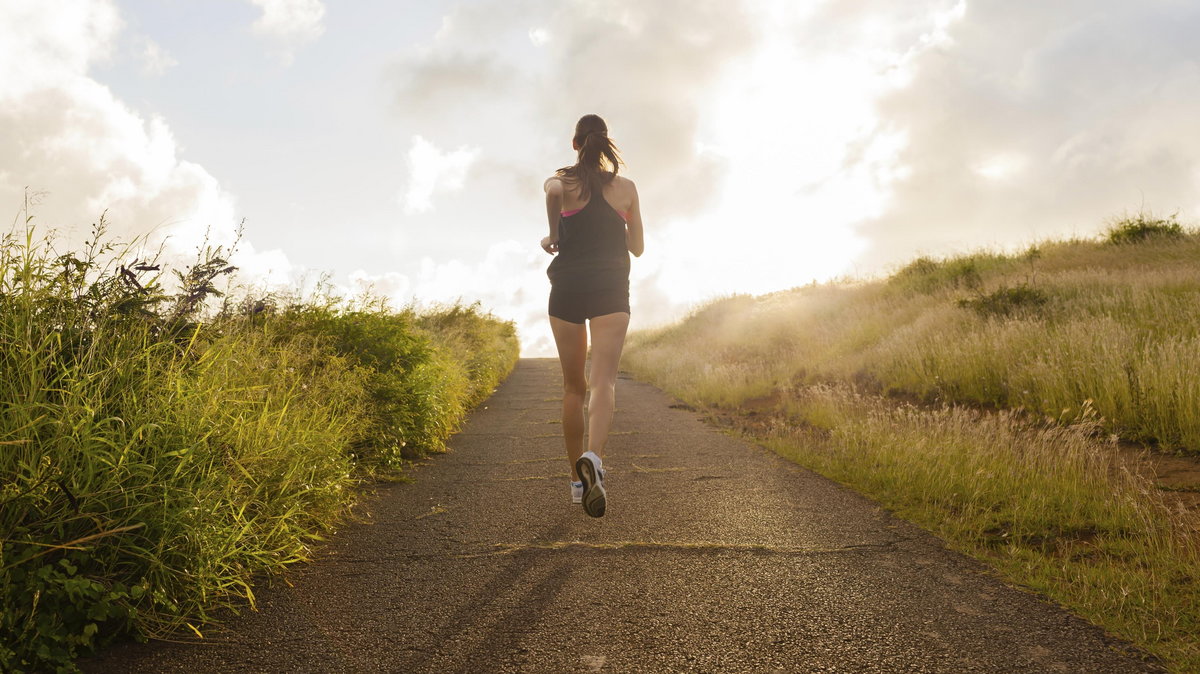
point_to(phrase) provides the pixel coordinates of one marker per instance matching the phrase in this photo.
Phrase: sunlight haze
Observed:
(402, 146)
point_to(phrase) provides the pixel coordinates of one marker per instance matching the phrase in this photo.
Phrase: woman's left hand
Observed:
(549, 245)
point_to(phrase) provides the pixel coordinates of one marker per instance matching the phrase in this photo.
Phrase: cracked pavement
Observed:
(714, 555)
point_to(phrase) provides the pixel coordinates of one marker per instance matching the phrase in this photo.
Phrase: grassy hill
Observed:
(984, 397)
(1114, 322)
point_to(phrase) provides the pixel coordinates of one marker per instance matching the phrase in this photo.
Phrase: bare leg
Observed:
(571, 339)
(608, 338)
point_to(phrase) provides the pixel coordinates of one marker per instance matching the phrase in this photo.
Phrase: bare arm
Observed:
(634, 240)
(554, 201)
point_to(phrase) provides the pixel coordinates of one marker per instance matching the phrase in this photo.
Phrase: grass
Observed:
(1044, 331)
(1051, 506)
(982, 397)
(162, 443)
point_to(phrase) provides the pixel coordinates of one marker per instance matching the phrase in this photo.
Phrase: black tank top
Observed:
(592, 253)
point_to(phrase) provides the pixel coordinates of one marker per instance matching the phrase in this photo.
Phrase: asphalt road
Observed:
(715, 555)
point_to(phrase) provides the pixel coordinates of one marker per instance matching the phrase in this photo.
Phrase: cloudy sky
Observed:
(402, 145)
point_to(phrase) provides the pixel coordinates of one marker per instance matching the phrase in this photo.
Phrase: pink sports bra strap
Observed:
(567, 214)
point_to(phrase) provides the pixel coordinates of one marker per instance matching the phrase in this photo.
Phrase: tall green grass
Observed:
(158, 450)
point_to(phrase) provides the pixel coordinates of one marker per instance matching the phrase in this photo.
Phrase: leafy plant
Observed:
(1142, 227)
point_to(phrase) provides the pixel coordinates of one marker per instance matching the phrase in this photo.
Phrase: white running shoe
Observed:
(591, 473)
(576, 492)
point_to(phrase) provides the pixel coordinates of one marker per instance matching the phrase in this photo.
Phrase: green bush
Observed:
(155, 455)
(488, 348)
(1142, 227)
(403, 404)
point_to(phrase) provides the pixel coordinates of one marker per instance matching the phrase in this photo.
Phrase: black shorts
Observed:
(578, 306)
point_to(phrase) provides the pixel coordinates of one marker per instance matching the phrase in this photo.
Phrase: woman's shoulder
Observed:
(623, 183)
(624, 187)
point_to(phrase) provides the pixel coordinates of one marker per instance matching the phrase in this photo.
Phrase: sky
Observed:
(401, 146)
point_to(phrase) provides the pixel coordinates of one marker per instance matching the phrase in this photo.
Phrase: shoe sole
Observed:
(593, 491)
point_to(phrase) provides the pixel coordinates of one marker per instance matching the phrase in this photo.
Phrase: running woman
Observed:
(595, 223)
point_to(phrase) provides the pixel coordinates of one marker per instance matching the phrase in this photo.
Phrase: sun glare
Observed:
(803, 162)
(1000, 166)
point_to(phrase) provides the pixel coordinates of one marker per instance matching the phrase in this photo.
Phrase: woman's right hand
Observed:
(549, 244)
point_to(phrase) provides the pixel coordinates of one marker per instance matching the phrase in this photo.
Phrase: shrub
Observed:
(1141, 227)
(395, 358)
(487, 347)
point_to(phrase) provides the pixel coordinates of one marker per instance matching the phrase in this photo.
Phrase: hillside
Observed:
(993, 400)
(1110, 324)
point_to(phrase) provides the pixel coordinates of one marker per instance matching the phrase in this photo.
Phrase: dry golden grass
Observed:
(1051, 506)
(1120, 327)
(1019, 375)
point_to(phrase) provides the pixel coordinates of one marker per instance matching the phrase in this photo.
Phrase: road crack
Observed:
(499, 549)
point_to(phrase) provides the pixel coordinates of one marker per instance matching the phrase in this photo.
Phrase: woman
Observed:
(595, 223)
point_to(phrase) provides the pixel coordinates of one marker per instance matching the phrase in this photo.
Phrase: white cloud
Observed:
(289, 24)
(392, 284)
(1039, 123)
(155, 59)
(67, 136)
(510, 281)
(434, 172)
(44, 45)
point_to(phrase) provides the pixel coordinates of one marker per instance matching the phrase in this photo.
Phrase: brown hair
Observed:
(598, 158)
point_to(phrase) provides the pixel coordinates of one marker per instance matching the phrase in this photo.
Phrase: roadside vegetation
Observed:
(984, 397)
(161, 442)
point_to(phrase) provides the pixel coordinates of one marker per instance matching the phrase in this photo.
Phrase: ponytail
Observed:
(598, 159)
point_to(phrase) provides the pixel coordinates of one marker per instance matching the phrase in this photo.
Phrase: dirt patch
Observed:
(1177, 476)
